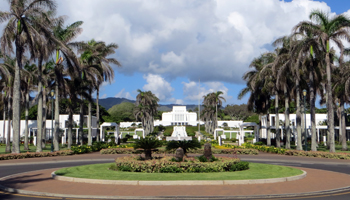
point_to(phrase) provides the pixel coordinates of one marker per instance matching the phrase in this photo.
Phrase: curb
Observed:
(44, 194)
(215, 182)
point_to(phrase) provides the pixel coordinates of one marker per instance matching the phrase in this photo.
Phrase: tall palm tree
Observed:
(28, 86)
(212, 100)
(328, 29)
(62, 69)
(20, 29)
(95, 53)
(255, 86)
(146, 109)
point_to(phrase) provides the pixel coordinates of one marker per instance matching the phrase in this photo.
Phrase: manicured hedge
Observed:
(282, 151)
(190, 165)
(345, 156)
(34, 155)
(199, 151)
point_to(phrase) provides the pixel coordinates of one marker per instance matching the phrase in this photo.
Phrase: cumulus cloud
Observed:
(158, 86)
(123, 94)
(194, 92)
(213, 40)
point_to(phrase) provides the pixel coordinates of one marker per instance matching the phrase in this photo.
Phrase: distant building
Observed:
(179, 116)
(63, 125)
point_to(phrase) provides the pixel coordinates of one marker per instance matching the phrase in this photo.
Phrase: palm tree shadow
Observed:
(21, 181)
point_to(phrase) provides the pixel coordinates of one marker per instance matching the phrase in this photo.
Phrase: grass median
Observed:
(256, 171)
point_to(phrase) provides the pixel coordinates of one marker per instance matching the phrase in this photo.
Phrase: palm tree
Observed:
(328, 29)
(27, 85)
(62, 69)
(146, 109)
(22, 18)
(7, 70)
(212, 100)
(95, 53)
(257, 99)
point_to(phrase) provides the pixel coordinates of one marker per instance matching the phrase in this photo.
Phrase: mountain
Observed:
(111, 101)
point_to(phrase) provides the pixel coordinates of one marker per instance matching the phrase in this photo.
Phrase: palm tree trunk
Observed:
(81, 122)
(8, 138)
(4, 119)
(16, 111)
(287, 121)
(57, 119)
(330, 113)
(26, 130)
(312, 112)
(343, 127)
(70, 128)
(44, 119)
(40, 107)
(89, 124)
(277, 122)
(298, 115)
(97, 113)
(268, 142)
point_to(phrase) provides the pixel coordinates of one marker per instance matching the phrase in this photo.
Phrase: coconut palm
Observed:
(211, 101)
(66, 61)
(28, 86)
(146, 109)
(328, 30)
(22, 18)
(95, 53)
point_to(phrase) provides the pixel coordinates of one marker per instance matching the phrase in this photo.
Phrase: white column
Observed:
(318, 135)
(77, 135)
(101, 130)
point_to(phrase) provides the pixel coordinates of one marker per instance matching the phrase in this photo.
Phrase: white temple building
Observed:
(179, 116)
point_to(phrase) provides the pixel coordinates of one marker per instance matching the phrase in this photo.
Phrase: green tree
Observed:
(22, 20)
(327, 29)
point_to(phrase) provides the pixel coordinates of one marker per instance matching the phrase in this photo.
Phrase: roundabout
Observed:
(318, 184)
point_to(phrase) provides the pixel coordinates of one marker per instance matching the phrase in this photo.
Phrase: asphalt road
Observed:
(342, 168)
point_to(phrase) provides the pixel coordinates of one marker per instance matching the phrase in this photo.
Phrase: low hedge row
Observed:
(282, 151)
(34, 155)
(190, 165)
(197, 151)
(345, 156)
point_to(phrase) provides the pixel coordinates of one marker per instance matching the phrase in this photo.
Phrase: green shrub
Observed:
(148, 144)
(202, 158)
(34, 155)
(184, 144)
(165, 165)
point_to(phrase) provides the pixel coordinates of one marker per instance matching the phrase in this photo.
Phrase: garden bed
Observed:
(188, 165)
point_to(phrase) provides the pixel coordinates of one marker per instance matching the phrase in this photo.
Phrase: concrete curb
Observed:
(215, 182)
(45, 194)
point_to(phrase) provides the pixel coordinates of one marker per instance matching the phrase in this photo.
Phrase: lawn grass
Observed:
(32, 148)
(256, 171)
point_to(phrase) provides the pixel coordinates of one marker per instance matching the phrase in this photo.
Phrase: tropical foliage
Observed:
(311, 58)
(47, 59)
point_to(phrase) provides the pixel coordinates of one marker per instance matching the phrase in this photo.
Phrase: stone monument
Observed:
(207, 150)
(179, 154)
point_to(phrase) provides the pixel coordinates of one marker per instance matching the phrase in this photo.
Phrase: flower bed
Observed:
(282, 151)
(345, 156)
(33, 155)
(199, 151)
(190, 165)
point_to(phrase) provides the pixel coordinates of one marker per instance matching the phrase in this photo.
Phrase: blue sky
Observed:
(168, 46)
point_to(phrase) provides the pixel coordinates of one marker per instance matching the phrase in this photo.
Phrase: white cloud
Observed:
(158, 86)
(103, 96)
(123, 94)
(213, 40)
(193, 92)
